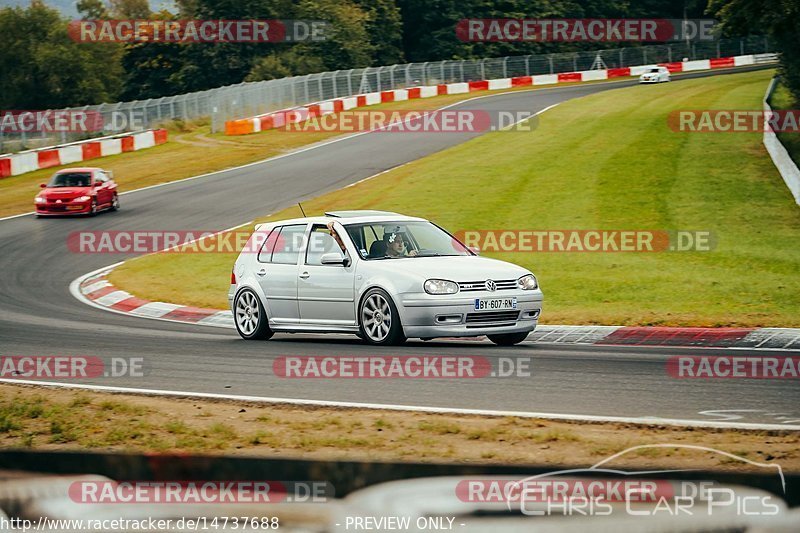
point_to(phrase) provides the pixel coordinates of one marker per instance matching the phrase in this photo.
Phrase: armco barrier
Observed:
(54, 156)
(780, 156)
(275, 119)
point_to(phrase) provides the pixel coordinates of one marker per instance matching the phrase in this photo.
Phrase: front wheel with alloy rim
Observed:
(379, 321)
(508, 339)
(249, 316)
(93, 208)
(115, 203)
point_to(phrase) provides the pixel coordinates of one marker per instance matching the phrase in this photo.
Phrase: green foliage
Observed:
(43, 68)
(780, 19)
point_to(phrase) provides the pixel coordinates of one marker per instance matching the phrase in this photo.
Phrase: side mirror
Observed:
(334, 258)
(43, 185)
(475, 250)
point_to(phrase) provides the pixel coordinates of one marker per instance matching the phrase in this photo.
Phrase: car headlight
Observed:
(38, 200)
(440, 286)
(82, 199)
(528, 282)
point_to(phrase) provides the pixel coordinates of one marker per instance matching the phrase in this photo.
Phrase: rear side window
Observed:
(265, 253)
(288, 244)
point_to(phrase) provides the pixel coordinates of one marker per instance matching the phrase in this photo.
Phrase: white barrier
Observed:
(502, 83)
(110, 147)
(545, 79)
(21, 163)
(70, 154)
(780, 156)
(457, 88)
(428, 91)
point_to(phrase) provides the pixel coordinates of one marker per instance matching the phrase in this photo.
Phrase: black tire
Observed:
(375, 311)
(250, 317)
(114, 203)
(93, 208)
(508, 339)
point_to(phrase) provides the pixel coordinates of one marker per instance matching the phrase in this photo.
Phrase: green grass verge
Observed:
(63, 420)
(782, 99)
(604, 161)
(192, 150)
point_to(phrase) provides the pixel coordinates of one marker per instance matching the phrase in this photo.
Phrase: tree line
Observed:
(43, 68)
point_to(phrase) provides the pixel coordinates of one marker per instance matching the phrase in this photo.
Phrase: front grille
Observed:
(473, 286)
(492, 316)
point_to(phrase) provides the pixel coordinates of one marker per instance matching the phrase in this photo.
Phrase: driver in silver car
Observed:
(396, 245)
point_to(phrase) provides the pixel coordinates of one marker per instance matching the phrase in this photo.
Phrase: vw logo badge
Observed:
(491, 285)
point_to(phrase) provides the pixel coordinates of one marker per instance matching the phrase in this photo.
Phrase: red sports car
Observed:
(75, 191)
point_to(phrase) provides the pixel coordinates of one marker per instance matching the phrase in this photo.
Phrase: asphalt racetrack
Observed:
(39, 316)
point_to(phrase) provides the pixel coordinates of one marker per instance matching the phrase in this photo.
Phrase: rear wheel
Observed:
(378, 319)
(249, 316)
(508, 339)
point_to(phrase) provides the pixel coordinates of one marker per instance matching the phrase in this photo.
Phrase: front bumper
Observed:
(53, 209)
(429, 316)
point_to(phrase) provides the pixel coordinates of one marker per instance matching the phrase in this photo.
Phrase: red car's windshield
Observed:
(71, 179)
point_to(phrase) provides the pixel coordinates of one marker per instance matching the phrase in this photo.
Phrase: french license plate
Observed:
(495, 304)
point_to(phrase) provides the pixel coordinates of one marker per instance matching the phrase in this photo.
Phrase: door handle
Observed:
(262, 272)
(304, 275)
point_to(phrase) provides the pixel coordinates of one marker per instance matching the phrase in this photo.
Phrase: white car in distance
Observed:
(654, 75)
(382, 276)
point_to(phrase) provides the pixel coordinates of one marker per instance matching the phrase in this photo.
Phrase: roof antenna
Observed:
(301, 209)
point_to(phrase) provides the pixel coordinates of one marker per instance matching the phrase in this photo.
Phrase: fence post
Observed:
(550, 59)
(528, 65)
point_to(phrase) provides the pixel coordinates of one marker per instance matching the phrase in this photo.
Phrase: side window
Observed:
(320, 242)
(288, 244)
(100, 178)
(265, 253)
(372, 234)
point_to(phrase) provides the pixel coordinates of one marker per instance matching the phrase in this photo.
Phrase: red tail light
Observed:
(233, 278)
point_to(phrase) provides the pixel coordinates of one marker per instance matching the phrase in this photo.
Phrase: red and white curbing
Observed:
(54, 156)
(277, 119)
(95, 289)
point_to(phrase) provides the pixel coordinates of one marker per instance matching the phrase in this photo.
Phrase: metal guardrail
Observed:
(777, 151)
(254, 98)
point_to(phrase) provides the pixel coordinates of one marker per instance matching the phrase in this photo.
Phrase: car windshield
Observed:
(654, 70)
(397, 240)
(71, 179)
